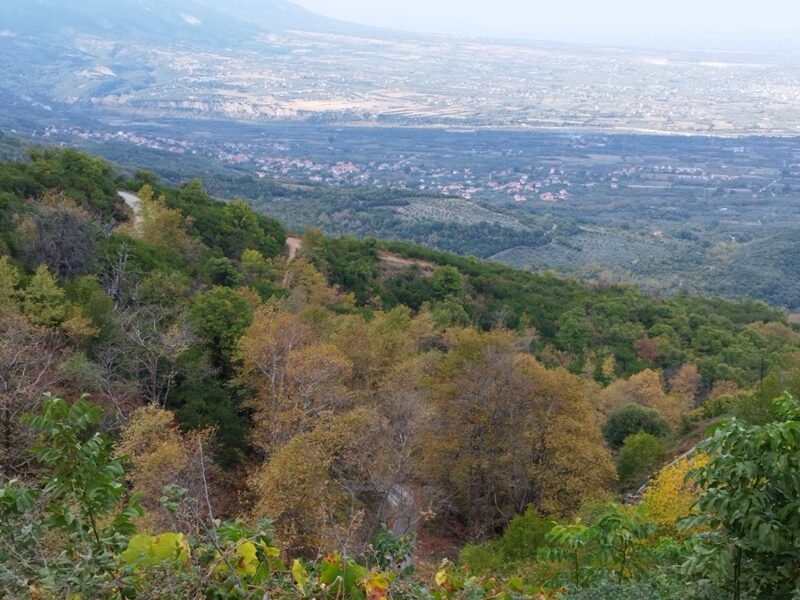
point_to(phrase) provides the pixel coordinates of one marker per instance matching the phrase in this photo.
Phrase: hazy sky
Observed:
(728, 23)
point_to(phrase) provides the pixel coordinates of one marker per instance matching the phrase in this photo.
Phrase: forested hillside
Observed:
(186, 412)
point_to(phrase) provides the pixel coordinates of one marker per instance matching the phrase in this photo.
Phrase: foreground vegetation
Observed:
(339, 423)
(707, 528)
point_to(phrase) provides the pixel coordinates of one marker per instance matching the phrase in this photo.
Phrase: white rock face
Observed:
(402, 509)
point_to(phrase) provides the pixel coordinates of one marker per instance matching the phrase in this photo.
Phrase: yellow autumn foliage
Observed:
(160, 455)
(298, 378)
(669, 497)
(645, 389)
(312, 486)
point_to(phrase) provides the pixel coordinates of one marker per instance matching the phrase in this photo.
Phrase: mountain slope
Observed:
(56, 55)
(280, 15)
(203, 23)
(143, 20)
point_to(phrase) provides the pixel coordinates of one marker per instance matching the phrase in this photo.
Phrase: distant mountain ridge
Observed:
(281, 15)
(55, 55)
(200, 22)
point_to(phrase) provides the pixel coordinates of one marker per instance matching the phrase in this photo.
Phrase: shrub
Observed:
(633, 419)
(639, 456)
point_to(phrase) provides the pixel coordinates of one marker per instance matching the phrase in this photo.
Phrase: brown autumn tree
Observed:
(161, 456)
(570, 461)
(61, 235)
(29, 356)
(686, 380)
(646, 389)
(722, 389)
(298, 377)
(307, 287)
(324, 489)
(504, 432)
(378, 347)
(469, 452)
(391, 355)
(647, 350)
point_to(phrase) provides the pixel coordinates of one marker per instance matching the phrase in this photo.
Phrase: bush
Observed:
(521, 542)
(524, 536)
(633, 419)
(641, 453)
(482, 559)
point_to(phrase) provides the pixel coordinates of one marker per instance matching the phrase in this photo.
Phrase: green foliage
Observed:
(73, 534)
(750, 486)
(632, 419)
(98, 554)
(82, 481)
(43, 301)
(447, 283)
(756, 406)
(659, 586)
(449, 313)
(388, 552)
(482, 559)
(456, 583)
(9, 280)
(222, 271)
(408, 288)
(525, 535)
(614, 546)
(206, 403)
(17, 537)
(221, 317)
(150, 550)
(80, 497)
(349, 264)
(574, 333)
(241, 228)
(709, 332)
(522, 541)
(87, 180)
(89, 297)
(166, 288)
(229, 228)
(640, 455)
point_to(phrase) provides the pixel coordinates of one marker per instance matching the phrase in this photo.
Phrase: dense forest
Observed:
(187, 410)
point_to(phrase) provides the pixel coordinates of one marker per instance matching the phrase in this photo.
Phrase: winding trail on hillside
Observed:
(293, 246)
(135, 204)
(401, 261)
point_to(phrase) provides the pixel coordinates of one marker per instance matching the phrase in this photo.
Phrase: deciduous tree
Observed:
(168, 464)
(29, 356)
(298, 377)
(325, 487)
(505, 431)
(43, 301)
(221, 316)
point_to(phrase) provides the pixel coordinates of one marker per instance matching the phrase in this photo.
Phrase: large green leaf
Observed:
(147, 551)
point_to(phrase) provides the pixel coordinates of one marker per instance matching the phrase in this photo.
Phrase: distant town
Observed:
(456, 164)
